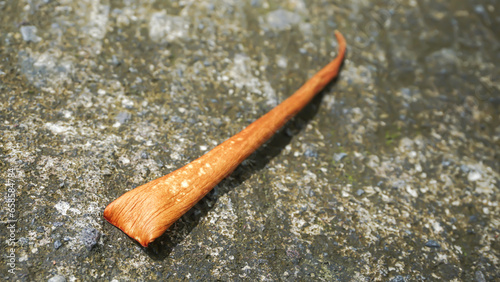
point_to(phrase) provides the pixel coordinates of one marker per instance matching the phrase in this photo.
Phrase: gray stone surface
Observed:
(98, 97)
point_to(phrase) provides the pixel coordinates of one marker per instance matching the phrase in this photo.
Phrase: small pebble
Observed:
(432, 244)
(338, 157)
(474, 176)
(57, 244)
(480, 276)
(472, 218)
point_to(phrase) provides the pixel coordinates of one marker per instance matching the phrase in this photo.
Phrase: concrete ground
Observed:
(391, 174)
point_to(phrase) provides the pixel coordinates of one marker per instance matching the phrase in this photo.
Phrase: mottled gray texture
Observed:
(402, 150)
(90, 237)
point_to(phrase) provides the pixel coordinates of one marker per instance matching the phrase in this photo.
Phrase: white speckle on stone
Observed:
(436, 226)
(62, 207)
(49, 69)
(412, 192)
(185, 184)
(165, 28)
(418, 167)
(442, 257)
(474, 176)
(241, 72)
(486, 210)
(357, 115)
(23, 258)
(338, 157)
(281, 61)
(76, 211)
(124, 160)
(373, 161)
(57, 278)
(98, 20)
(314, 229)
(58, 128)
(126, 103)
(29, 33)
(67, 114)
(281, 19)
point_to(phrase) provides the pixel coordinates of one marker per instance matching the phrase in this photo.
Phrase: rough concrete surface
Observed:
(391, 174)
